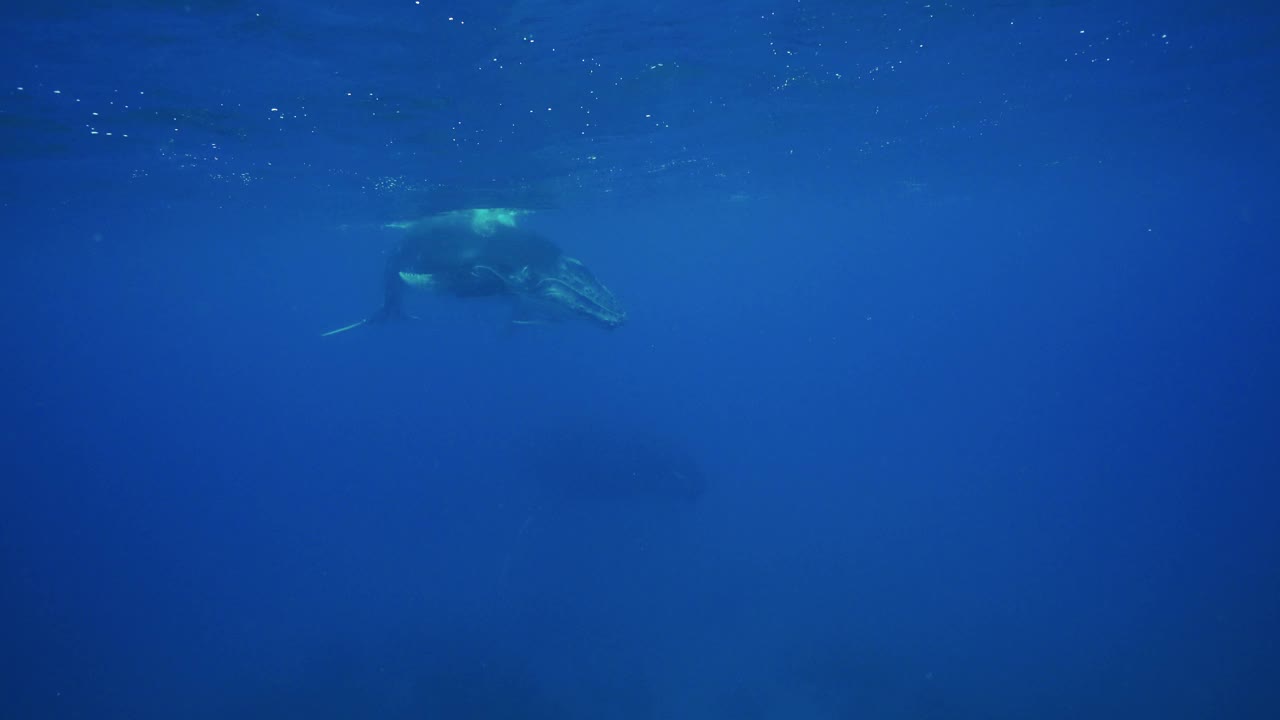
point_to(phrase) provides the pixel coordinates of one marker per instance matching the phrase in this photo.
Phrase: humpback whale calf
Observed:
(483, 253)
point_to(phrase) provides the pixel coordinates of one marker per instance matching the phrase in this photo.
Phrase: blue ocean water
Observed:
(955, 321)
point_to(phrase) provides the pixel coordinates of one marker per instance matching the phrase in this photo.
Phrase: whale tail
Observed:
(392, 309)
(384, 314)
(388, 312)
(345, 328)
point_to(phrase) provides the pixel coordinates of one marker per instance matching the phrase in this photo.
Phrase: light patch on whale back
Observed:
(485, 220)
(481, 221)
(421, 281)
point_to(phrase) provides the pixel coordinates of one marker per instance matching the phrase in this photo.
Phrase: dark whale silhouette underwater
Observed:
(483, 252)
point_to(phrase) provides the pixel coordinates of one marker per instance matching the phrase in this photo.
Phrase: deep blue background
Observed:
(968, 311)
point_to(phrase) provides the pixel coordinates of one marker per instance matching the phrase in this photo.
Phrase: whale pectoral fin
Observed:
(352, 326)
